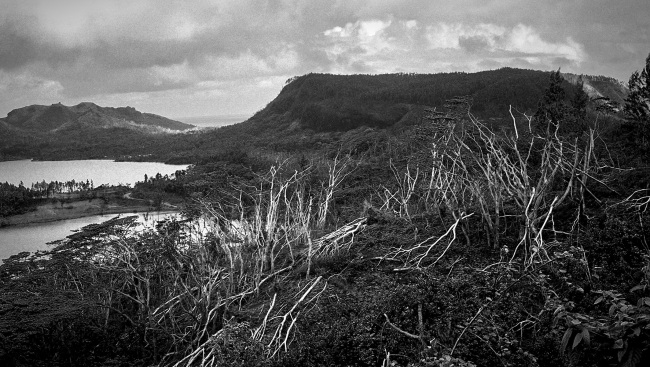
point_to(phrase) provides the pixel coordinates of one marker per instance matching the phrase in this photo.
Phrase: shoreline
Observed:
(53, 212)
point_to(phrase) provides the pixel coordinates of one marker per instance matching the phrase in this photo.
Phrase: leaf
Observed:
(647, 301)
(636, 288)
(598, 300)
(577, 340)
(565, 339)
(623, 352)
(618, 344)
(633, 358)
(612, 309)
(586, 337)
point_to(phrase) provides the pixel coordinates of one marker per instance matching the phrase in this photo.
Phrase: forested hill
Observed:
(600, 86)
(58, 117)
(325, 102)
(86, 131)
(311, 111)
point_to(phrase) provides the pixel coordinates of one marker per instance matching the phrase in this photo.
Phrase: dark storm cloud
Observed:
(16, 48)
(473, 44)
(116, 82)
(79, 48)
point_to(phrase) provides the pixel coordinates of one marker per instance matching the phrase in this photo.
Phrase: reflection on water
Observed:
(34, 237)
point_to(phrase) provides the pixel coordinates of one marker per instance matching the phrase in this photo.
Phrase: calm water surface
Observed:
(34, 237)
(98, 171)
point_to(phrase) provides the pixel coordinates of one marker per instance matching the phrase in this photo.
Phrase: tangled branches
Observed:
(285, 322)
(414, 257)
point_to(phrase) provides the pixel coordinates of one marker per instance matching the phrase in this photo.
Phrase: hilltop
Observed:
(325, 102)
(57, 118)
(84, 131)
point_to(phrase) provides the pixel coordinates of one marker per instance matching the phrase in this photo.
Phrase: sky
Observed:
(183, 58)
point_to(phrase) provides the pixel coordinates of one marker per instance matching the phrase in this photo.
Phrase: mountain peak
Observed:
(58, 117)
(86, 105)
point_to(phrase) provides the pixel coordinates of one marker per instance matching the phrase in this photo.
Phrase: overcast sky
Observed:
(206, 57)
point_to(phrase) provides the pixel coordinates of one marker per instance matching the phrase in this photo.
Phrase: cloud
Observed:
(249, 65)
(355, 45)
(111, 48)
(450, 35)
(25, 89)
(525, 39)
(390, 46)
(500, 42)
(15, 48)
(473, 44)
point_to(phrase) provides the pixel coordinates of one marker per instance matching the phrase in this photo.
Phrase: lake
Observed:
(34, 237)
(98, 171)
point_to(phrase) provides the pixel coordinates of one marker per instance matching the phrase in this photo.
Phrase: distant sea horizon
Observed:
(215, 120)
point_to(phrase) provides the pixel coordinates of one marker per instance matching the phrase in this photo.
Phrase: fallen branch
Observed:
(280, 338)
(338, 240)
(414, 262)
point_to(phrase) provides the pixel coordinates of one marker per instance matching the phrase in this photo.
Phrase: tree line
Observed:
(17, 199)
(55, 187)
(20, 199)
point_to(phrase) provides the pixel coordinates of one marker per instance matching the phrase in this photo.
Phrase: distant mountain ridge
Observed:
(87, 131)
(59, 118)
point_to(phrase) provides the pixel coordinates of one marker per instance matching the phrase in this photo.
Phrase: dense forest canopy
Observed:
(325, 102)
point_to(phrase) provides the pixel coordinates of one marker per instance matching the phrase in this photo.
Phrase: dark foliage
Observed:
(637, 103)
(16, 200)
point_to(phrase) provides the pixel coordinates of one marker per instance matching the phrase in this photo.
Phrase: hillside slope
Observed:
(58, 117)
(600, 86)
(323, 102)
(86, 131)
